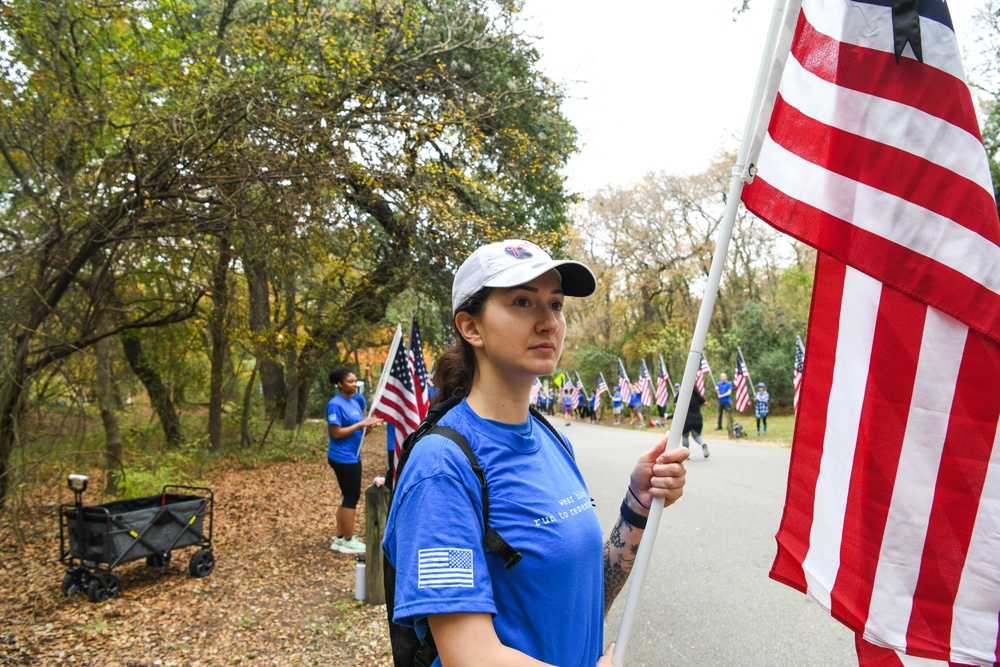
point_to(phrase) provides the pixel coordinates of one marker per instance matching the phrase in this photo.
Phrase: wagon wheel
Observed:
(74, 580)
(103, 586)
(158, 560)
(202, 563)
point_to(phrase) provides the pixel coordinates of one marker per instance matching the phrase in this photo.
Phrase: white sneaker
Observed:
(352, 546)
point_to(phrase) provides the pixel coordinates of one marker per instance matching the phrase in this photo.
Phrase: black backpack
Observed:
(407, 649)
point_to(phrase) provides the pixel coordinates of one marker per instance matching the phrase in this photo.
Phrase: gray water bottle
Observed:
(359, 579)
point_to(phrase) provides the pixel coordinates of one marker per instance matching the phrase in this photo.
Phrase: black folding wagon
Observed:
(95, 540)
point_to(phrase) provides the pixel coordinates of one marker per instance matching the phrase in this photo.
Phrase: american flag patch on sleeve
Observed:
(442, 568)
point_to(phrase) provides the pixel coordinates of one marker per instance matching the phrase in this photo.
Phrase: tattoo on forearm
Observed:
(619, 557)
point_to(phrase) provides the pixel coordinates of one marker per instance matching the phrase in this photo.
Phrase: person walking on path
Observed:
(725, 390)
(693, 422)
(507, 303)
(762, 402)
(346, 421)
(567, 406)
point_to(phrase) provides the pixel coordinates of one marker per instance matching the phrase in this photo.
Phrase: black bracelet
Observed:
(636, 497)
(631, 517)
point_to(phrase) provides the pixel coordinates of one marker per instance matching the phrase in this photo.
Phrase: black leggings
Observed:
(764, 419)
(349, 478)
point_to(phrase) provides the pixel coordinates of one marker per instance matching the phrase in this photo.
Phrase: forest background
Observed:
(208, 205)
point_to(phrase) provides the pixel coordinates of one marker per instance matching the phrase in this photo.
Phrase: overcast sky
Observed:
(657, 86)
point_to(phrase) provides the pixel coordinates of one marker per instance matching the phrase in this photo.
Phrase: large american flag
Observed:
(797, 366)
(398, 404)
(418, 368)
(663, 386)
(699, 377)
(894, 485)
(645, 385)
(741, 380)
(624, 386)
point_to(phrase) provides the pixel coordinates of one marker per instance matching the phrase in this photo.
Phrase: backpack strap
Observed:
(538, 415)
(492, 539)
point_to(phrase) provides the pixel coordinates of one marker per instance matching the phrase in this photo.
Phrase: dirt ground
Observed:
(278, 594)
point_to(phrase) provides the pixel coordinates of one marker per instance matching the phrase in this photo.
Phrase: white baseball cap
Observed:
(512, 263)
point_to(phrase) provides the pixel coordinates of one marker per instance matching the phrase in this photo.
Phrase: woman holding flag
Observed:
(345, 424)
(507, 302)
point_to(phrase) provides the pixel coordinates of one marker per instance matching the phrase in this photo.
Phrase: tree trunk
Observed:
(107, 402)
(291, 359)
(271, 374)
(11, 408)
(159, 394)
(220, 342)
(245, 420)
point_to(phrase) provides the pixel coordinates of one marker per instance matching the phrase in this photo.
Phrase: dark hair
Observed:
(456, 367)
(337, 375)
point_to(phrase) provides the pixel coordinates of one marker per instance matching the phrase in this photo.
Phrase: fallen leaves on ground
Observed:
(278, 594)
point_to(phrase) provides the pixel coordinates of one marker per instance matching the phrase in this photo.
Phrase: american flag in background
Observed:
(624, 386)
(645, 385)
(699, 378)
(872, 154)
(741, 378)
(419, 369)
(581, 393)
(574, 392)
(602, 388)
(397, 404)
(663, 386)
(536, 387)
(800, 360)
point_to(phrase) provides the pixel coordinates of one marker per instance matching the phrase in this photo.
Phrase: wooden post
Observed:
(377, 499)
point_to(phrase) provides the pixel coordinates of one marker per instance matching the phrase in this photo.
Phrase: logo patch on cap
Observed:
(519, 251)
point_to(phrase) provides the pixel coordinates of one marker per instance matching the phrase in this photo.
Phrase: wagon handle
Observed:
(82, 479)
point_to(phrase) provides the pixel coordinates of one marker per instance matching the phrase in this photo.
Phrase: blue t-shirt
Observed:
(616, 400)
(551, 604)
(635, 400)
(723, 388)
(345, 412)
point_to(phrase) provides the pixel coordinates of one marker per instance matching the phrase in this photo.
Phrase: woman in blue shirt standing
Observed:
(346, 421)
(549, 609)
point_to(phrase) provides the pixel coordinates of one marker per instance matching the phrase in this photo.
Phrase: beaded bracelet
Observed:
(631, 517)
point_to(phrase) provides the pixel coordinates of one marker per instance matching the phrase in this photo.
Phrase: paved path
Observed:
(708, 599)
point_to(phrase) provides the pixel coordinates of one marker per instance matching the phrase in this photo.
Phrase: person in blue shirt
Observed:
(635, 406)
(346, 421)
(507, 302)
(616, 406)
(762, 403)
(725, 390)
(592, 406)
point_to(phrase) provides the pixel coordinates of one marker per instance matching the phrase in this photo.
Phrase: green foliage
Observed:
(147, 473)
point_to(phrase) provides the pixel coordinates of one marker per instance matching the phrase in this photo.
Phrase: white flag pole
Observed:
(382, 377)
(740, 170)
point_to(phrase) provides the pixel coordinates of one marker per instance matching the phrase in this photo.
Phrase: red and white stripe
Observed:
(624, 386)
(398, 403)
(662, 386)
(644, 385)
(894, 489)
(891, 520)
(741, 378)
(699, 377)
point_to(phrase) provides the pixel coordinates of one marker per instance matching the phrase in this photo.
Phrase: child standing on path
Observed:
(762, 402)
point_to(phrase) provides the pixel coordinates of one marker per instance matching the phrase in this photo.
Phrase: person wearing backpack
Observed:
(541, 601)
